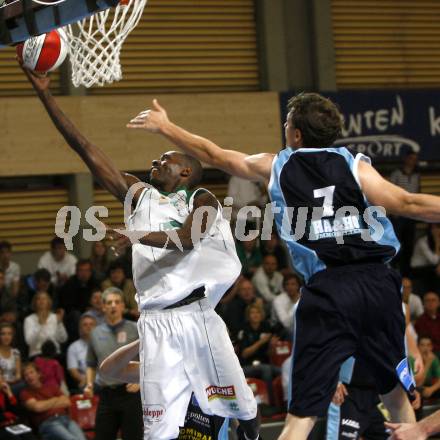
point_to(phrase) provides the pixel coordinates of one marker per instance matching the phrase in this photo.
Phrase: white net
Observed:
(95, 43)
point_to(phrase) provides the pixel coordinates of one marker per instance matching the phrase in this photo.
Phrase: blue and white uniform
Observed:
(351, 301)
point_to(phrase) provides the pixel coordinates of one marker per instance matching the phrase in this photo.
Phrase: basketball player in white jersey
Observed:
(121, 365)
(184, 344)
(351, 300)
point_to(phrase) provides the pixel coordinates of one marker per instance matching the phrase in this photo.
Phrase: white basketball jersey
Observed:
(162, 276)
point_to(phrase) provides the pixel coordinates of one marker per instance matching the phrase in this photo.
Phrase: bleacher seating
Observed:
(83, 411)
(280, 352)
(259, 388)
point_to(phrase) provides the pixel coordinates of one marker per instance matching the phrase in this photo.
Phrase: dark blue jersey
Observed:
(357, 374)
(322, 214)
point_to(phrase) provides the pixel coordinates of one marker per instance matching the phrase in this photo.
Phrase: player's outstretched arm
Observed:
(395, 200)
(253, 167)
(120, 365)
(416, 431)
(99, 164)
(194, 229)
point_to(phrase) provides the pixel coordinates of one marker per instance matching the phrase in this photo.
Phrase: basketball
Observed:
(44, 53)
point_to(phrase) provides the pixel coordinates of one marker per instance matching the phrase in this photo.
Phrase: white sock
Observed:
(247, 438)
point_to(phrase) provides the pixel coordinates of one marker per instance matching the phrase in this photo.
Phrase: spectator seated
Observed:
(11, 427)
(267, 280)
(48, 408)
(117, 278)
(59, 263)
(51, 371)
(255, 341)
(43, 324)
(10, 358)
(428, 324)
(77, 354)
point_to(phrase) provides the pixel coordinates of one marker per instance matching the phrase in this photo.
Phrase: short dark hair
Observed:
(424, 337)
(196, 170)
(291, 276)
(83, 262)
(116, 265)
(56, 241)
(30, 364)
(431, 292)
(42, 274)
(318, 119)
(5, 245)
(265, 257)
(48, 349)
(7, 325)
(255, 306)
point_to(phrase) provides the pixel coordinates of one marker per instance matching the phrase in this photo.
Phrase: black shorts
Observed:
(358, 417)
(345, 311)
(199, 425)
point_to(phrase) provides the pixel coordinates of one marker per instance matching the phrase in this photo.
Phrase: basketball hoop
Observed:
(95, 44)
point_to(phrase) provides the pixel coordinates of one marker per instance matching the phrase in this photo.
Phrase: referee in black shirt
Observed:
(119, 406)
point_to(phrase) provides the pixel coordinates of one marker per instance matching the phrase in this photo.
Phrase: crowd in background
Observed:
(47, 317)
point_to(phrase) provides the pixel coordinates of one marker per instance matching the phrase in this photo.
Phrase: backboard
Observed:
(21, 19)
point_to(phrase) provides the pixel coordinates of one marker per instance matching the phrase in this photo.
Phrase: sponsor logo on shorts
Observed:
(153, 413)
(197, 418)
(191, 434)
(234, 406)
(350, 423)
(215, 392)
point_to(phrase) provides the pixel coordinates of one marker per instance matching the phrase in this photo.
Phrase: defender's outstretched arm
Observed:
(253, 167)
(397, 201)
(99, 164)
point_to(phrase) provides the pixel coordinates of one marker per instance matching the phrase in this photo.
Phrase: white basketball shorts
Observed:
(183, 350)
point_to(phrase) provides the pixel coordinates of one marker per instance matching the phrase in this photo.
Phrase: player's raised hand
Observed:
(151, 119)
(119, 241)
(40, 82)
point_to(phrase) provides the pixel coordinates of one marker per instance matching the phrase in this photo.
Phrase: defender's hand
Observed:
(151, 120)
